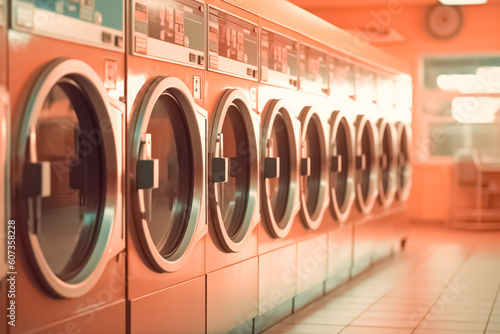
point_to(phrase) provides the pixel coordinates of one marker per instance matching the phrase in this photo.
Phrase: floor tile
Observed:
(374, 330)
(304, 329)
(452, 325)
(446, 282)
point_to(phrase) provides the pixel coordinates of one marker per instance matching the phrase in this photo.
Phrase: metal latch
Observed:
(37, 179)
(361, 162)
(336, 163)
(305, 166)
(148, 170)
(272, 168)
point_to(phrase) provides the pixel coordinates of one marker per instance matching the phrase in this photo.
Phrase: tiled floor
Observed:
(447, 282)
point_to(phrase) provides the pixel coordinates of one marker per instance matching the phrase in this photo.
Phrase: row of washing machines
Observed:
(188, 167)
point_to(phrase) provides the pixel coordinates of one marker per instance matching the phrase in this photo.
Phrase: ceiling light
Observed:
(463, 2)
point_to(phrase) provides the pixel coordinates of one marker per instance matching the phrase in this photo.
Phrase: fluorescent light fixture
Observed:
(472, 109)
(463, 2)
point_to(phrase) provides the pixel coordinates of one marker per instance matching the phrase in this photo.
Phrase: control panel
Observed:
(98, 23)
(314, 70)
(232, 45)
(169, 30)
(366, 85)
(341, 79)
(386, 91)
(279, 60)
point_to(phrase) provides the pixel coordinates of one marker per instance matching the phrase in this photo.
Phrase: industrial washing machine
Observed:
(387, 213)
(341, 170)
(167, 178)
(67, 168)
(233, 165)
(367, 168)
(312, 242)
(280, 150)
(404, 102)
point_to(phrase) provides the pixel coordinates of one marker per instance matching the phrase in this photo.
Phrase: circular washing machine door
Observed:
(404, 170)
(313, 169)
(167, 164)
(69, 183)
(342, 167)
(234, 168)
(387, 178)
(280, 173)
(367, 164)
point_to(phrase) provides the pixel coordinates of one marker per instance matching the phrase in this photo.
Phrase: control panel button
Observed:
(106, 37)
(119, 41)
(192, 57)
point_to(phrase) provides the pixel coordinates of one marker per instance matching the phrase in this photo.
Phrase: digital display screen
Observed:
(314, 70)
(342, 78)
(171, 30)
(278, 54)
(234, 39)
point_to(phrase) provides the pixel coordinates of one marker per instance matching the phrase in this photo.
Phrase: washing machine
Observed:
(167, 178)
(387, 212)
(312, 241)
(367, 168)
(404, 180)
(341, 171)
(67, 170)
(280, 150)
(233, 168)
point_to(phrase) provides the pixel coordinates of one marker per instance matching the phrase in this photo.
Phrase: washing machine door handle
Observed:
(384, 161)
(401, 160)
(148, 169)
(361, 162)
(147, 176)
(271, 164)
(336, 163)
(36, 174)
(220, 164)
(305, 166)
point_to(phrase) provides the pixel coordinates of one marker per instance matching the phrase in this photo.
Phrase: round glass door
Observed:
(403, 161)
(341, 167)
(69, 177)
(279, 169)
(313, 169)
(234, 170)
(168, 157)
(367, 166)
(388, 169)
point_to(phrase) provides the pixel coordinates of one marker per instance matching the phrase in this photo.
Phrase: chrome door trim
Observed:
(196, 118)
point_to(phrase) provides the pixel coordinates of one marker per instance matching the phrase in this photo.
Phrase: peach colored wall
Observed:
(480, 34)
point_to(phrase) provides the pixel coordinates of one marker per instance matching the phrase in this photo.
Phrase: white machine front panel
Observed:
(314, 71)
(169, 30)
(279, 60)
(232, 45)
(98, 23)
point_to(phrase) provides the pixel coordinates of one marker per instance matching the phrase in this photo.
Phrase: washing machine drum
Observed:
(234, 170)
(313, 169)
(367, 164)
(68, 154)
(168, 160)
(279, 149)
